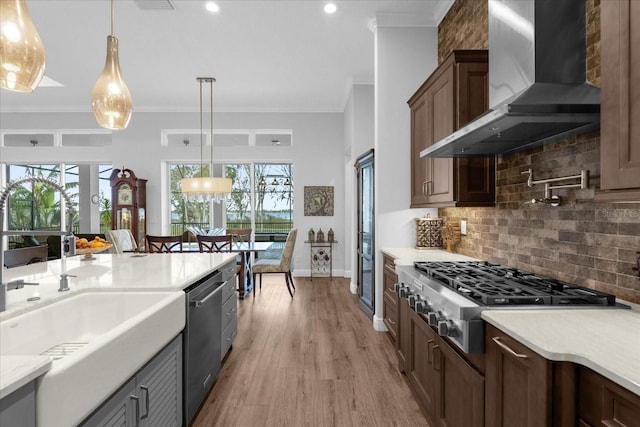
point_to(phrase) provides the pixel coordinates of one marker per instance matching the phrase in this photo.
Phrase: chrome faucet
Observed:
(17, 284)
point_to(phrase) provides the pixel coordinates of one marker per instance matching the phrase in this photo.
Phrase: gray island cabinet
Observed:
(19, 407)
(152, 397)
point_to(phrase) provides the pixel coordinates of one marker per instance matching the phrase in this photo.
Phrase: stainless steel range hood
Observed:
(537, 86)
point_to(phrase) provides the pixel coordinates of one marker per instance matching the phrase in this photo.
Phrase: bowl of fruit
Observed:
(89, 247)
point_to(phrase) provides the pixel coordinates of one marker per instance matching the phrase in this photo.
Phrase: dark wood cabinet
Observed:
(403, 341)
(129, 204)
(390, 297)
(459, 389)
(620, 77)
(454, 94)
(449, 389)
(518, 383)
(601, 402)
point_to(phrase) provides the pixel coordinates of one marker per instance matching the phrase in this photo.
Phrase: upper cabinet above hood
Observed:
(537, 85)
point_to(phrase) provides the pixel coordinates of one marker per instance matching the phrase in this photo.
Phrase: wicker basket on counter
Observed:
(429, 232)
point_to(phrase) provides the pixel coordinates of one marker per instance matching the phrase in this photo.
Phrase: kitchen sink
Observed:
(97, 340)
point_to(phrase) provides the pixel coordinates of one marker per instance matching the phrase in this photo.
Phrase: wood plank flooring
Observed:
(313, 360)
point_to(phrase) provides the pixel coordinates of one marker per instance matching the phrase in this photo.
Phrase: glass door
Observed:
(366, 236)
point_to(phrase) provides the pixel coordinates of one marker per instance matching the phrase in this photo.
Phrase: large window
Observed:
(274, 198)
(37, 206)
(261, 199)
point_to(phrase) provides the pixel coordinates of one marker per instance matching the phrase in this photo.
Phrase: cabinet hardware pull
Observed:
(436, 366)
(425, 188)
(391, 321)
(137, 400)
(509, 350)
(429, 353)
(146, 401)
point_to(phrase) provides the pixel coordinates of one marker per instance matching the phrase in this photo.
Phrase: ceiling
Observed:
(266, 55)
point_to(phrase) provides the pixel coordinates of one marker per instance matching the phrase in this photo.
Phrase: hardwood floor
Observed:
(313, 360)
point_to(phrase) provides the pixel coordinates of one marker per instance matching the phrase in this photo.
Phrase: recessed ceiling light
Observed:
(212, 7)
(330, 8)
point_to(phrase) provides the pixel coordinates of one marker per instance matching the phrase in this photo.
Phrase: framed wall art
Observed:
(318, 201)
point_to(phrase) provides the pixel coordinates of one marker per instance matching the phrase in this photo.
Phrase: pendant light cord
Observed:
(201, 132)
(211, 84)
(112, 15)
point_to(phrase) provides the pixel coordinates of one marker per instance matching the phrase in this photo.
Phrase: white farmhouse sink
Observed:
(97, 340)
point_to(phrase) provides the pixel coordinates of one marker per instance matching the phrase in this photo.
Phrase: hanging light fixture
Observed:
(110, 99)
(206, 187)
(22, 57)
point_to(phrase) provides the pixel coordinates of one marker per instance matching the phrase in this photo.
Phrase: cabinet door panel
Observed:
(441, 124)
(421, 168)
(118, 411)
(620, 129)
(420, 372)
(511, 368)
(459, 390)
(159, 387)
(403, 342)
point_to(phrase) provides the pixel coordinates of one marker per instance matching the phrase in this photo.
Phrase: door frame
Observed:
(364, 160)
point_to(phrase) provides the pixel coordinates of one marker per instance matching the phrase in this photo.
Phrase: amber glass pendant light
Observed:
(206, 188)
(22, 55)
(110, 99)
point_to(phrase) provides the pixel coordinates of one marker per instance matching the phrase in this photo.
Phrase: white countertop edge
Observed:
(16, 371)
(407, 256)
(564, 355)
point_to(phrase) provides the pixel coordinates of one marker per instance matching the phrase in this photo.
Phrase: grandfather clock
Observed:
(129, 203)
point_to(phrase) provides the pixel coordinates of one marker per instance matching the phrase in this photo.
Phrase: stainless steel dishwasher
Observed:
(202, 343)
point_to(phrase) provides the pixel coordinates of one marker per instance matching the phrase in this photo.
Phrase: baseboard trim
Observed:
(378, 324)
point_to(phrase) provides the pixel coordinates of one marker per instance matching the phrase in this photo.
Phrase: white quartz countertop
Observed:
(604, 340)
(122, 273)
(16, 371)
(407, 256)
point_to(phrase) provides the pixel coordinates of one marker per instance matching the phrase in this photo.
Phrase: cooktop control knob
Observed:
(433, 317)
(412, 300)
(422, 306)
(405, 292)
(447, 328)
(396, 287)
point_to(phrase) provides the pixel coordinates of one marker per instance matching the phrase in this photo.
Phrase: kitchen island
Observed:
(163, 276)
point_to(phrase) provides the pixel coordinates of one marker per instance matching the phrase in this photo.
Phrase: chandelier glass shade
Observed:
(110, 99)
(22, 57)
(206, 188)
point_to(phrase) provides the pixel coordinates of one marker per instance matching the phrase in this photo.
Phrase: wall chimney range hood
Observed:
(537, 81)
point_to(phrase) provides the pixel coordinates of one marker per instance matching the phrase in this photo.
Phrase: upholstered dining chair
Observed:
(214, 243)
(165, 244)
(282, 265)
(122, 241)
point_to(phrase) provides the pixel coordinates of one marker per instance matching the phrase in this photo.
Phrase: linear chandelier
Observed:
(110, 99)
(203, 188)
(22, 57)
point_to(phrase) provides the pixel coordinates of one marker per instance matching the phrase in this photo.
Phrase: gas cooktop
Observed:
(497, 285)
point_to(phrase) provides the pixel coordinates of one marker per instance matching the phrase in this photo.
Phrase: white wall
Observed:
(359, 126)
(404, 58)
(317, 157)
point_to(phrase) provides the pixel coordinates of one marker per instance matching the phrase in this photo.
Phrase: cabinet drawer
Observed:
(229, 312)
(229, 290)
(390, 313)
(228, 335)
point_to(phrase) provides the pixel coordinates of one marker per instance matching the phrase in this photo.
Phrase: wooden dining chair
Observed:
(164, 244)
(282, 265)
(240, 234)
(214, 243)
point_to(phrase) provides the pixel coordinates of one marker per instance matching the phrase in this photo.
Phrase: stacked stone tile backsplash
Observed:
(582, 241)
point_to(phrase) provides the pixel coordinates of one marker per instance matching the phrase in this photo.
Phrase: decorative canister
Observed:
(428, 232)
(312, 235)
(330, 235)
(320, 235)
